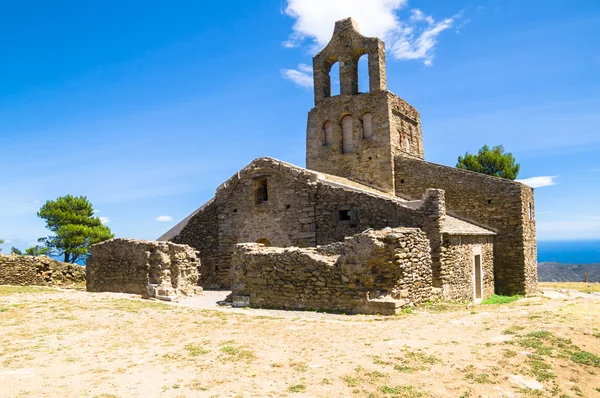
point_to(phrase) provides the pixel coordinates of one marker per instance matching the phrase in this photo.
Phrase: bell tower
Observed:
(358, 135)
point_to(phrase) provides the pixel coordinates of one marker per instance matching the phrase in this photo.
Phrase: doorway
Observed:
(478, 278)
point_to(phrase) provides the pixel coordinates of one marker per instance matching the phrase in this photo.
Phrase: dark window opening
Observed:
(345, 215)
(401, 181)
(489, 201)
(261, 194)
(264, 241)
(287, 207)
(235, 210)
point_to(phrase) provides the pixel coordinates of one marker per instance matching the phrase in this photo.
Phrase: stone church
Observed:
(365, 171)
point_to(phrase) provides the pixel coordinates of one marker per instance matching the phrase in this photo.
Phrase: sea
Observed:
(566, 252)
(569, 252)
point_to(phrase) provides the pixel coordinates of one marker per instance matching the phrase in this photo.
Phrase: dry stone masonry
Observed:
(365, 170)
(375, 272)
(161, 270)
(38, 271)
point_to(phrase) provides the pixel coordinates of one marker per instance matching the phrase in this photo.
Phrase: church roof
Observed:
(452, 225)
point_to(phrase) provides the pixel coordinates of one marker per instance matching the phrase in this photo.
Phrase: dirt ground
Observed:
(66, 343)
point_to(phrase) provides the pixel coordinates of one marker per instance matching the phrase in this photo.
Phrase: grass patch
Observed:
(405, 391)
(497, 299)
(297, 388)
(513, 329)
(195, 350)
(135, 306)
(6, 290)
(233, 353)
(580, 286)
(586, 358)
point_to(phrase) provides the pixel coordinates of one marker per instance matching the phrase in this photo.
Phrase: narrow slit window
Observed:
(530, 211)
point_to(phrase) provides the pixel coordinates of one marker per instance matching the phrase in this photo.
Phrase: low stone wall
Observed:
(39, 271)
(372, 272)
(161, 270)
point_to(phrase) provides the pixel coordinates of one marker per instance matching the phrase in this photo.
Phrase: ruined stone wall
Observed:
(457, 266)
(302, 210)
(491, 201)
(38, 271)
(372, 272)
(163, 270)
(202, 233)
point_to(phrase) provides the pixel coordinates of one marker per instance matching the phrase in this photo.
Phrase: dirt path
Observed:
(76, 344)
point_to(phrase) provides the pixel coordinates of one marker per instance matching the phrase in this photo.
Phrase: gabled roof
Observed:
(452, 225)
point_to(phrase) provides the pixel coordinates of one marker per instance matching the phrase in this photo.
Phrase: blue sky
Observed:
(145, 107)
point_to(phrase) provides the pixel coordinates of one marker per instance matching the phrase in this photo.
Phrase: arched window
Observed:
(334, 78)
(327, 133)
(363, 74)
(347, 133)
(263, 241)
(367, 121)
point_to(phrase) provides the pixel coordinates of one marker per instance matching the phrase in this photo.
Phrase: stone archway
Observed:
(264, 241)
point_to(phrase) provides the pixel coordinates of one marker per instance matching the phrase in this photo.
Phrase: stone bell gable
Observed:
(357, 135)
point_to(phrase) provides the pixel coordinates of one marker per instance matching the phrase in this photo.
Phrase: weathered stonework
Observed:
(457, 266)
(396, 126)
(38, 271)
(303, 210)
(365, 169)
(371, 272)
(161, 270)
(495, 202)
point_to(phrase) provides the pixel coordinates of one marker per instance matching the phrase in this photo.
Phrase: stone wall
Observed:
(202, 233)
(38, 271)
(372, 272)
(302, 210)
(495, 202)
(457, 265)
(153, 269)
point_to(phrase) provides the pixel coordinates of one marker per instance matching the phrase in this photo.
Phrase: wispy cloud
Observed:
(412, 38)
(96, 211)
(538, 182)
(104, 220)
(164, 218)
(301, 76)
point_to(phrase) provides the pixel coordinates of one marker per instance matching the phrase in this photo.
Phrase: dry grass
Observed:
(69, 343)
(581, 286)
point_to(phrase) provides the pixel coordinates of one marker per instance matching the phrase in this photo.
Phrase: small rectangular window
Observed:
(261, 192)
(344, 215)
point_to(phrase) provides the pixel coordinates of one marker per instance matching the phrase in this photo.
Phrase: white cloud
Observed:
(412, 38)
(538, 182)
(95, 211)
(164, 218)
(104, 220)
(301, 76)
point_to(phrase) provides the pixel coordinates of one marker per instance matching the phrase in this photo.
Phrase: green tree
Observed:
(1, 242)
(36, 250)
(494, 162)
(14, 250)
(75, 228)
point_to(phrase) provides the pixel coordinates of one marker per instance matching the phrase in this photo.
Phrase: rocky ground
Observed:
(67, 343)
